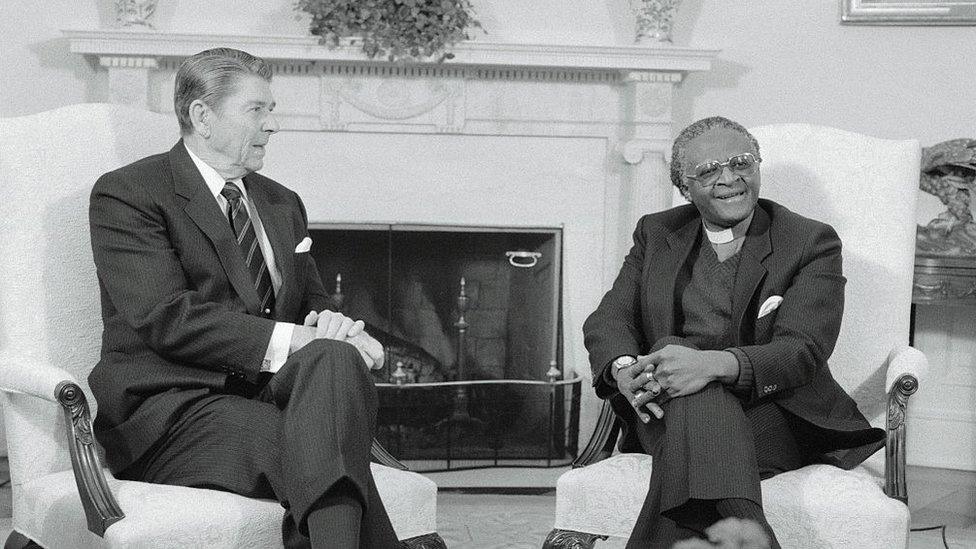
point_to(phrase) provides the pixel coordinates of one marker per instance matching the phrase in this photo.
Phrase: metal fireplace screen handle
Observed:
(524, 260)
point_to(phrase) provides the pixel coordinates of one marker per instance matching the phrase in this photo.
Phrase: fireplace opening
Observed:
(471, 323)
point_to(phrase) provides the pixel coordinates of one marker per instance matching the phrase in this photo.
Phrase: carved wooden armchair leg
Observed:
(569, 539)
(895, 486)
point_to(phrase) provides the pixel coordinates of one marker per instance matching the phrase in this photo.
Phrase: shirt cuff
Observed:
(746, 381)
(277, 352)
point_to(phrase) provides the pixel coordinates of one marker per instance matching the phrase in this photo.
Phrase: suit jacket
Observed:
(180, 313)
(784, 254)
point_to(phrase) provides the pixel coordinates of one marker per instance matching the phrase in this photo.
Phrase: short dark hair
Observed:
(210, 76)
(694, 130)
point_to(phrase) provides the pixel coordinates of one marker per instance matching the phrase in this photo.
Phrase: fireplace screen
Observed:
(470, 320)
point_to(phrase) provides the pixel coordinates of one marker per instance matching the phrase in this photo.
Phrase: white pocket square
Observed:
(769, 305)
(304, 246)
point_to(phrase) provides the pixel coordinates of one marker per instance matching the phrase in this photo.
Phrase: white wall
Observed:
(795, 62)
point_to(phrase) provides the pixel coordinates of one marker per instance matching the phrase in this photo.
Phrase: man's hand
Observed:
(333, 325)
(631, 382)
(371, 350)
(683, 371)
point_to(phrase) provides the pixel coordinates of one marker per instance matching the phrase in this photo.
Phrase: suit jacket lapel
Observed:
(275, 218)
(663, 274)
(203, 210)
(751, 269)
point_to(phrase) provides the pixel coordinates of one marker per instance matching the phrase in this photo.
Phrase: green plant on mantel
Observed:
(395, 29)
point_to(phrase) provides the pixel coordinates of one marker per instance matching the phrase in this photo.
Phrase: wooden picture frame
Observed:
(893, 12)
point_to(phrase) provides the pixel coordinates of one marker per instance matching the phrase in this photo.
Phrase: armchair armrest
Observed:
(906, 366)
(600, 445)
(29, 376)
(57, 385)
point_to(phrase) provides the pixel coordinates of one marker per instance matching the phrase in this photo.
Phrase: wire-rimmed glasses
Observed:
(706, 174)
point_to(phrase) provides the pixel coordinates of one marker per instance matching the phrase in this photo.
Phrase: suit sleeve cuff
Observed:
(277, 352)
(746, 381)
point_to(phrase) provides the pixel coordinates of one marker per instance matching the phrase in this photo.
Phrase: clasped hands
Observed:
(333, 325)
(672, 371)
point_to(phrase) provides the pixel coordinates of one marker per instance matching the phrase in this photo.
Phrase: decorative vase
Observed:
(135, 13)
(654, 20)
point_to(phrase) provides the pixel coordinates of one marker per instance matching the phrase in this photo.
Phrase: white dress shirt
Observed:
(277, 352)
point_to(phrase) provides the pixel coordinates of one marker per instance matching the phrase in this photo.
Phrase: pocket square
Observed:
(769, 305)
(304, 246)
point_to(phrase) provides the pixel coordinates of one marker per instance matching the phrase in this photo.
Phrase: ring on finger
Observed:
(655, 391)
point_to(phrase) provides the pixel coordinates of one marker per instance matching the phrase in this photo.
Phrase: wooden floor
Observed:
(474, 518)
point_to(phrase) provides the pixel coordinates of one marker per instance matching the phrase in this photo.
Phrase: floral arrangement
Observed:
(396, 29)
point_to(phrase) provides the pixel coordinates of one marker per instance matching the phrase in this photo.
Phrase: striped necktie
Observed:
(247, 240)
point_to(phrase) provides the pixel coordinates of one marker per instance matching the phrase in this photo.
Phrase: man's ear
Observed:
(200, 118)
(683, 188)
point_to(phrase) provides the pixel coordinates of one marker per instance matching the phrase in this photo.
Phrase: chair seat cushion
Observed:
(161, 516)
(817, 506)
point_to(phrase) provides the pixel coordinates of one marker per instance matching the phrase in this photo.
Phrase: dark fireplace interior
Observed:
(473, 376)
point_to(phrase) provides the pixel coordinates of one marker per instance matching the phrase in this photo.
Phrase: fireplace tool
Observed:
(460, 415)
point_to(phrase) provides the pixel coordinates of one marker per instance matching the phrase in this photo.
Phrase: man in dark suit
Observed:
(712, 344)
(220, 366)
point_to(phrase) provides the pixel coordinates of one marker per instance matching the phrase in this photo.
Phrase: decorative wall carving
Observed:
(949, 172)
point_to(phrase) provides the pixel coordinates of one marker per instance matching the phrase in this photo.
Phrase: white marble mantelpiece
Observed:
(135, 43)
(501, 135)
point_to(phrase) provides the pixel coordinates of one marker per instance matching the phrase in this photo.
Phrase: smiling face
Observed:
(733, 197)
(235, 133)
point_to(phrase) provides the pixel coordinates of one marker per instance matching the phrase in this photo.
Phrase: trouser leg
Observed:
(328, 418)
(708, 458)
(309, 428)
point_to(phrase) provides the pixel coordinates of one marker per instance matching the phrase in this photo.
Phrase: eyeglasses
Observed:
(707, 173)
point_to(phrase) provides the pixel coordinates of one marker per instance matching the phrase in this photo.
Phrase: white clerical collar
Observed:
(215, 183)
(724, 236)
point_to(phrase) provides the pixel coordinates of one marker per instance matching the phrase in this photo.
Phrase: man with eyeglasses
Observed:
(712, 344)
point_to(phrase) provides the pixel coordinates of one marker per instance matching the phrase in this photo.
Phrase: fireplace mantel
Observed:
(122, 43)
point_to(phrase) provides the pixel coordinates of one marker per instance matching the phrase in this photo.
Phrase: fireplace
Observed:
(469, 317)
(505, 134)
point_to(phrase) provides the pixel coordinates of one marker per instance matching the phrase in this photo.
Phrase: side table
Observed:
(942, 280)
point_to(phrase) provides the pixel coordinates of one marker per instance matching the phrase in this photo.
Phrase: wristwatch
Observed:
(621, 362)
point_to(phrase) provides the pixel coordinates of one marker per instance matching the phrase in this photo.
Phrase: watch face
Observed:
(623, 362)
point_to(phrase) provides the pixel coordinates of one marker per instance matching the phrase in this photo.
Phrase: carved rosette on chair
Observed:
(426, 541)
(101, 508)
(568, 539)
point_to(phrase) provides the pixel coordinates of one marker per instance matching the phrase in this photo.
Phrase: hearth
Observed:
(470, 318)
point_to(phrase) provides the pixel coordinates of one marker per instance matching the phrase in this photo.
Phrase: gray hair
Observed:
(210, 76)
(694, 130)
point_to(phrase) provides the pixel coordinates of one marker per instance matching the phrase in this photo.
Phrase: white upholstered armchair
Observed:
(866, 188)
(49, 340)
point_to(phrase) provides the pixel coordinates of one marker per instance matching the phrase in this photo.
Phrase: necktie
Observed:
(247, 240)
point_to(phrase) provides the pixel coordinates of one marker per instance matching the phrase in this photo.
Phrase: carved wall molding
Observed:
(123, 61)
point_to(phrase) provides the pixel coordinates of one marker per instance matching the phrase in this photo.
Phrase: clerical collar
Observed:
(724, 236)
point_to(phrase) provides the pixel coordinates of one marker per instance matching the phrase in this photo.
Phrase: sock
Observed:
(334, 521)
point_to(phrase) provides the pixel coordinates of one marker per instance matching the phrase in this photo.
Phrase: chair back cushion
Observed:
(867, 189)
(49, 298)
